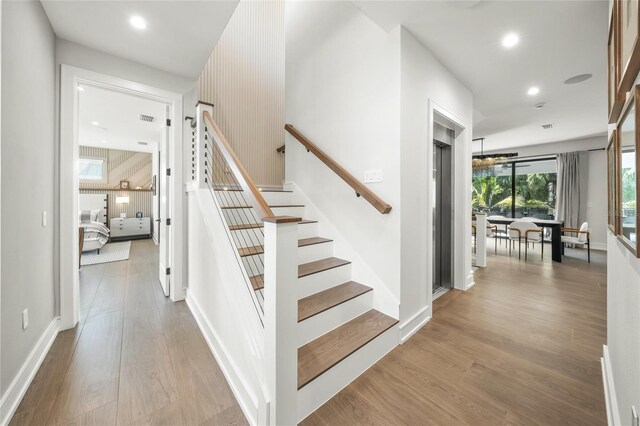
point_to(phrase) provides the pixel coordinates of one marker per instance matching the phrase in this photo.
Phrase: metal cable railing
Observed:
(245, 227)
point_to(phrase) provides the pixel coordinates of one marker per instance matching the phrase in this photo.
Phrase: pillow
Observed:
(84, 216)
(95, 214)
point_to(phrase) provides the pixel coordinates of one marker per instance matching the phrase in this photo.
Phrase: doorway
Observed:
(74, 83)
(443, 139)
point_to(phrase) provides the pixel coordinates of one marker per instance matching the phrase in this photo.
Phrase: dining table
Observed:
(554, 225)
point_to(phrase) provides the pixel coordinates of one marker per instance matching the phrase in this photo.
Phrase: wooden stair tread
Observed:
(313, 240)
(320, 265)
(327, 299)
(245, 226)
(326, 351)
(257, 282)
(261, 225)
(250, 251)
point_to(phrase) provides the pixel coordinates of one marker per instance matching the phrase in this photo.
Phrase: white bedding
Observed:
(96, 235)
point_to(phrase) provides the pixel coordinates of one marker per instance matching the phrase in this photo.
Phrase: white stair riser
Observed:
(240, 216)
(308, 230)
(254, 264)
(231, 198)
(315, 252)
(320, 324)
(248, 237)
(255, 236)
(323, 388)
(289, 211)
(315, 283)
(278, 198)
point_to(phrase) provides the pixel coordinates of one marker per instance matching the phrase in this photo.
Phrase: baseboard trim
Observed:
(611, 401)
(18, 387)
(599, 246)
(248, 403)
(470, 281)
(414, 324)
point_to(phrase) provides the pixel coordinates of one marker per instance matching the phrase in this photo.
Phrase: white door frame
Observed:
(70, 78)
(461, 169)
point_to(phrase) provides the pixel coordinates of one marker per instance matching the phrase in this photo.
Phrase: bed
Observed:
(92, 217)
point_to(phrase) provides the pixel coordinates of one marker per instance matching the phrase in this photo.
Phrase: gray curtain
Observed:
(571, 193)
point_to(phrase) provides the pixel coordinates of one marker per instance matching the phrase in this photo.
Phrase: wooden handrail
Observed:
(359, 187)
(242, 176)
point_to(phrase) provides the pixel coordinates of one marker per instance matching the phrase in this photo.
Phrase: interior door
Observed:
(164, 188)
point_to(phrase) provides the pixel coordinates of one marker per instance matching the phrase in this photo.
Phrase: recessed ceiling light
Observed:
(95, 123)
(578, 78)
(533, 91)
(80, 89)
(138, 22)
(510, 40)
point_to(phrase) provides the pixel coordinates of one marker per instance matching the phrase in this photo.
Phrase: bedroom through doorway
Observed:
(123, 195)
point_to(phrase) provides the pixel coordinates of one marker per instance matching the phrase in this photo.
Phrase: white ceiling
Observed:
(118, 117)
(179, 37)
(558, 40)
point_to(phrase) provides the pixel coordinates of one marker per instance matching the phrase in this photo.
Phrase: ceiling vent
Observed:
(147, 118)
(143, 143)
(547, 126)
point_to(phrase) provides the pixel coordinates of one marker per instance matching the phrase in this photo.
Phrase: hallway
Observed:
(134, 357)
(522, 347)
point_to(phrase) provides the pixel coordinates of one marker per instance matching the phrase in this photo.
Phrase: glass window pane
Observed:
(628, 178)
(492, 190)
(536, 189)
(90, 169)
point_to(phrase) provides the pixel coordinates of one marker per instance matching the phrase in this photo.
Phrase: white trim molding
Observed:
(611, 401)
(248, 402)
(414, 324)
(18, 387)
(67, 168)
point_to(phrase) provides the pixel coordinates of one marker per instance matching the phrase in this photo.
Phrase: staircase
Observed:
(336, 333)
(336, 320)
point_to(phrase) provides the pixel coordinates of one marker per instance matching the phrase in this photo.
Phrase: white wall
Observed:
(596, 181)
(425, 79)
(28, 98)
(343, 93)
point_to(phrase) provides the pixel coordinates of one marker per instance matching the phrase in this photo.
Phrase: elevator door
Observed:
(442, 211)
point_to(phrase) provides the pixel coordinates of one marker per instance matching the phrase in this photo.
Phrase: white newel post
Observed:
(481, 240)
(281, 318)
(203, 141)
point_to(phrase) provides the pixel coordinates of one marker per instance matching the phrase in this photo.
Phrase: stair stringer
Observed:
(383, 299)
(224, 308)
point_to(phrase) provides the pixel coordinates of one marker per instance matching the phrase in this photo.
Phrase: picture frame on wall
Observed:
(124, 184)
(627, 184)
(615, 97)
(626, 15)
(612, 183)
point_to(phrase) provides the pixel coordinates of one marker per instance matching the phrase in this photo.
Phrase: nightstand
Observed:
(130, 228)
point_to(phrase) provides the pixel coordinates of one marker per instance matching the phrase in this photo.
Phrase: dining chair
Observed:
(529, 232)
(582, 237)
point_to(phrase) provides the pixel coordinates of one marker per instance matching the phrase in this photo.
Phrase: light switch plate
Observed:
(373, 176)
(25, 319)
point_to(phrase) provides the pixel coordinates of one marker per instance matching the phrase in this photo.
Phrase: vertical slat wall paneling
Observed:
(139, 201)
(244, 79)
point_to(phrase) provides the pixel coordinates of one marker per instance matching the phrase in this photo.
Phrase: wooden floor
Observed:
(134, 358)
(522, 347)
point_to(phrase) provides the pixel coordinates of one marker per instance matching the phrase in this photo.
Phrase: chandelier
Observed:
(483, 162)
